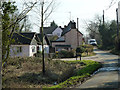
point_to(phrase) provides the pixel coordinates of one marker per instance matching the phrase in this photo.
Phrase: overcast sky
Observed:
(85, 10)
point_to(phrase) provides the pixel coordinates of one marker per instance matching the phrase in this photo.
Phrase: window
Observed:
(19, 49)
(33, 49)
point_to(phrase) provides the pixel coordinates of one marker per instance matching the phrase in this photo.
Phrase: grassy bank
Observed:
(81, 74)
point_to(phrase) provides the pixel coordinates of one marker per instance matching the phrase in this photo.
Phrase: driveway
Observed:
(106, 77)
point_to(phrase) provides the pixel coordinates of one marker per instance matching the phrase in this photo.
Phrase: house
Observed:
(48, 30)
(45, 42)
(70, 38)
(53, 30)
(26, 44)
(58, 31)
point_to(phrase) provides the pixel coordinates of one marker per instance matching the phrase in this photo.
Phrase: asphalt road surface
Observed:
(107, 77)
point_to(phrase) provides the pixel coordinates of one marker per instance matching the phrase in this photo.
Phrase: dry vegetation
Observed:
(27, 72)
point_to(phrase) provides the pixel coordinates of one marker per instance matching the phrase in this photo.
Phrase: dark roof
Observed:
(23, 38)
(71, 25)
(49, 30)
(39, 38)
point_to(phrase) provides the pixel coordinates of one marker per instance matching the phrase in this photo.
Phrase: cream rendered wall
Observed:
(24, 53)
(57, 31)
(26, 50)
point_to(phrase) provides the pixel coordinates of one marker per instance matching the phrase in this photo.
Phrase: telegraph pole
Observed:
(103, 17)
(77, 32)
(117, 28)
(117, 24)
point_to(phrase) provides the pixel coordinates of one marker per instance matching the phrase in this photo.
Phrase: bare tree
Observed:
(92, 27)
(43, 10)
(25, 25)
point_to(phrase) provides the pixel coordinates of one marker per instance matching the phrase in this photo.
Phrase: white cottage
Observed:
(26, 44)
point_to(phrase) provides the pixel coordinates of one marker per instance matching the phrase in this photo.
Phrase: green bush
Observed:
(88, 49)
(66, 54)
(80, 49)
(84, 48)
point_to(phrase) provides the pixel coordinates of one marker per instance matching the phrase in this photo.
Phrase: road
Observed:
(106, 77)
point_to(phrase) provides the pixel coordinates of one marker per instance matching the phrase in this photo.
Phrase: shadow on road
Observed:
(107, 86)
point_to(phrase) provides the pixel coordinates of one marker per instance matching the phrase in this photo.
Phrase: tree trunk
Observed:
(43, 69)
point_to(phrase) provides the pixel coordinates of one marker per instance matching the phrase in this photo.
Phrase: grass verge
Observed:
(81, 74)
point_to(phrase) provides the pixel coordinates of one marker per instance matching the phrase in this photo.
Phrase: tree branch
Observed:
(21, 16)
(48, 6)
(48, 14)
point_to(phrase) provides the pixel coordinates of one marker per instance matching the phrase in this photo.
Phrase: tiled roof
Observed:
(49, 30)
(71, 25)
(26, 38)
(23, 38)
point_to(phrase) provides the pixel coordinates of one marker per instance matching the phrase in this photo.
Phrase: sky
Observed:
(85, 10)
